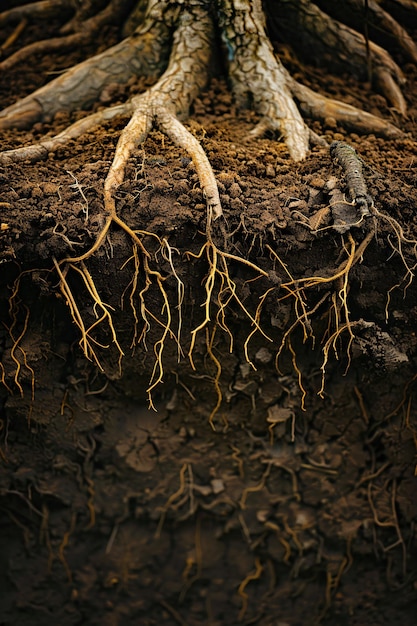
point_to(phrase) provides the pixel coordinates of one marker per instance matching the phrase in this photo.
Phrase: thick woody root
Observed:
(317, 106)
(380, 24)
(381, 21)
(345, 49)
(145, 53)
(163, 104)
(256, 74)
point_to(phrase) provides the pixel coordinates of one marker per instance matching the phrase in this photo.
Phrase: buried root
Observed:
(154, 267)
(179, 80)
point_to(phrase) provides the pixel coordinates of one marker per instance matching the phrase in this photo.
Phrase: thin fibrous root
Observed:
(297, 288)
(154, 277)
(167, 251)
(13, 37)
(226, 291)
(158, 347)
(87, 341)
(255, 575)
(401, 239)
(216, 378)
(103, 312)
(17, 351)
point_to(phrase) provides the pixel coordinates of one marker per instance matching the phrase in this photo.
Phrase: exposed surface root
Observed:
(144, 54)
(256, 73)
(324, 37)
(258, 76)
(83, 35)
(317, 106)
(373, 19)
(43, 9)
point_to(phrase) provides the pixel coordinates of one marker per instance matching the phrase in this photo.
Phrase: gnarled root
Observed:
(142, 54)
(80, 32)
(255, 72)
(344, 49)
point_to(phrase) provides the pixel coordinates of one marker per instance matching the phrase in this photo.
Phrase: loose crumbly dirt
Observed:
(112, 514)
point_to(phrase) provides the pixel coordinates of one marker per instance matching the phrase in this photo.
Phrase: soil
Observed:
(238, 500)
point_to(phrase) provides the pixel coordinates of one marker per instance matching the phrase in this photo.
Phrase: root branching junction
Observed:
(174, 43)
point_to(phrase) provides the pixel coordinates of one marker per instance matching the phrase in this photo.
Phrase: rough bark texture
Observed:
(256, 74)
(142, 54)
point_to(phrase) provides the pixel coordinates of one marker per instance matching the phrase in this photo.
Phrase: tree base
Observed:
(229, 501)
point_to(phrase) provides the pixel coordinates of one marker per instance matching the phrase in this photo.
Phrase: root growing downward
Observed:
(256, 74)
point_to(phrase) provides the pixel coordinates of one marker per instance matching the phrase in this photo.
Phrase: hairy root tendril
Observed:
(155, 275)
(256, 73)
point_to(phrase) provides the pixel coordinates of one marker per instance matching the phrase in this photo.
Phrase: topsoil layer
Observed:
(239, 500)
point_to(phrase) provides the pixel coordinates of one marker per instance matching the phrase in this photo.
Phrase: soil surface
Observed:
(252, 494)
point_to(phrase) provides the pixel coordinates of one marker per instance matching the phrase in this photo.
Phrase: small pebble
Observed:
(270, 171)
(217, 485)
(330, 122)
(317, 182)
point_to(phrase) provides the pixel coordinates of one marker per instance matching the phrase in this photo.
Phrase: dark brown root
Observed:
(37, 10)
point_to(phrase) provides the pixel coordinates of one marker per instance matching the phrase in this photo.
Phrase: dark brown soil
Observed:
(114, 514)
